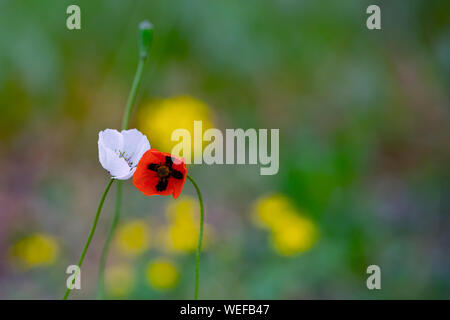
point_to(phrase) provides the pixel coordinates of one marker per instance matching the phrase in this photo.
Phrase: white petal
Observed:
(135, 145)
(120, 152)
(117, 167)
(103, 154)
(109, 143)
(127, 175)
(111, 139)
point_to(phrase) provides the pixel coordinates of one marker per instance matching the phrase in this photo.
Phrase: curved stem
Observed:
(112, 229)
(133, 93)
(200, 235)
(91, 233)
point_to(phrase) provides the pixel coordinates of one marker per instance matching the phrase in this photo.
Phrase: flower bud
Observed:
(145, 38)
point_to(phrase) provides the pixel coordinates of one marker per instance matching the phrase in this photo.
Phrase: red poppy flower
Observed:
(160, 173)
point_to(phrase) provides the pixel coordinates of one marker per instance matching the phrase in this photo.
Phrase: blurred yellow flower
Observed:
(296, 236)
(181, 235)
(183, 210)
(182, 238)
(35, 250)
(269, 211)
(291, 232)
(133, 237)
(162, 274)
(119, 280)
(159, 119)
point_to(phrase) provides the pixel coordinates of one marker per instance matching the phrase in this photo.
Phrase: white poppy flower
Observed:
(120, 152)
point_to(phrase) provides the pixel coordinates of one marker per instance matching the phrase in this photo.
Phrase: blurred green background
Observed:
(364, 148)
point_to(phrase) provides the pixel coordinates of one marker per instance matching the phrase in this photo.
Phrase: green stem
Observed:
(133, 93)
(200, 235)
(145, 40)
(91, 233)
(112, 229)
(126, 118)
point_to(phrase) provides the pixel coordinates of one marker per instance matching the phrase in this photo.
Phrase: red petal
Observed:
(177, 184)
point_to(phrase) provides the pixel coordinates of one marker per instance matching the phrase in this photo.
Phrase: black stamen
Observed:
(162, 185)
(169, 161)
(153, 167)
(176, 174)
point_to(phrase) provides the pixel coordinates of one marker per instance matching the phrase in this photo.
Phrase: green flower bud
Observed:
(145, 38)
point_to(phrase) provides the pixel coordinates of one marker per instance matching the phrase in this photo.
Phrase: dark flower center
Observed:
(163, 171)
